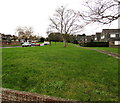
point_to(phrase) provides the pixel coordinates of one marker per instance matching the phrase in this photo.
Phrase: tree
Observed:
(56, 37)
(66, 22)
(101, 11)
(14, 37)
(25, 33)
(42, 39)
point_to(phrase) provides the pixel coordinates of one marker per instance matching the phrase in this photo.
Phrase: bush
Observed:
(75, 42)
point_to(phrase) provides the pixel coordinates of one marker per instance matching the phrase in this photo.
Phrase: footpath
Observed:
(115, 55)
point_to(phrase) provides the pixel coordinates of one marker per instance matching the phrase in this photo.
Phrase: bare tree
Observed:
(25, 33)
(65, 21)
(101, 11)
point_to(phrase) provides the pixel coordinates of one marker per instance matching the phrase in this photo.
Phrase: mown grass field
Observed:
(114, 50)
(71, 72)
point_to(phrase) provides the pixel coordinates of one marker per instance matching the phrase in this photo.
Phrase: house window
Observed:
(113, 35)
(95, 38)
(118, 35)
(102, 37)
(117, 42)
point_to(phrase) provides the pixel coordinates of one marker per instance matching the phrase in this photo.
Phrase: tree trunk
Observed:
(65, 44)
(64, 41)
(50, 42)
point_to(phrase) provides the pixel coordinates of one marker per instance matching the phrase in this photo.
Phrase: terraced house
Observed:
(112, 36)
(97, 37)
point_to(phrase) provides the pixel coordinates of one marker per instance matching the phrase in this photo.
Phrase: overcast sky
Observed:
(36, 13)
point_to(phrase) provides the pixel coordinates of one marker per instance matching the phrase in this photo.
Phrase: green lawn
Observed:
(71, 72)
(114, 50)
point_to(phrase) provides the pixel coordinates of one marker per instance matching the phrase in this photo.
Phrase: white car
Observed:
(42, 44)
(46, 43)
(26, 44)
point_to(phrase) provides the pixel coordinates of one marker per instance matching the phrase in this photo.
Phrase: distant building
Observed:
(88, 38)
(81, 38)
(97, 37)
(112, 36)
(8, 39)
(92, 38)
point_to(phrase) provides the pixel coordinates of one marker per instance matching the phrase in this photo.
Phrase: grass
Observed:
(71, 72)
(114, 50)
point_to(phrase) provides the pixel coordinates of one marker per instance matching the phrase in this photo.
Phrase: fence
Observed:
(9, 96)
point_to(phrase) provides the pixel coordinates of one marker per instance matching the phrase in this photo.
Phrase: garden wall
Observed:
(11, 43)
(11, 96)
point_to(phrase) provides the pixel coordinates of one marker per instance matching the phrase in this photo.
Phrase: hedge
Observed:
(95, 44)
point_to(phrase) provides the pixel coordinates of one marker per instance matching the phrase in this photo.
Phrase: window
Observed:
(117, 42)
(113, 35)
(118, 35)
(102, 37)
(95, 38)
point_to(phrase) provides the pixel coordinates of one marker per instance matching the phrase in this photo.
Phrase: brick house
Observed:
(112, 36)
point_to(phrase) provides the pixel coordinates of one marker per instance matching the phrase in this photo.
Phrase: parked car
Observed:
(26, 44)
(46, 43)
(42, 44)
(37, 44)
(33, 44)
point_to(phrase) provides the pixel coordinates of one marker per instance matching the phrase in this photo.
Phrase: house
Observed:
(112, 36)
(97, 36)
(88, 38)
(92, 38)
(8, 40)
(81, 38)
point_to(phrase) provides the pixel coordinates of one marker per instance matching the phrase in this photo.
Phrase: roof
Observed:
(110, 30)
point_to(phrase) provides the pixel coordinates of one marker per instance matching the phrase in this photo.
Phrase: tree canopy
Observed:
(25, 33)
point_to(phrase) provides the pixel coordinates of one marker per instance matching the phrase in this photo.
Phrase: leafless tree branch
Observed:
(65, 21)
(101, 11)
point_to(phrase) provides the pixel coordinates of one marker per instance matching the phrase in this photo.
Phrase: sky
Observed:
(36, 13)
